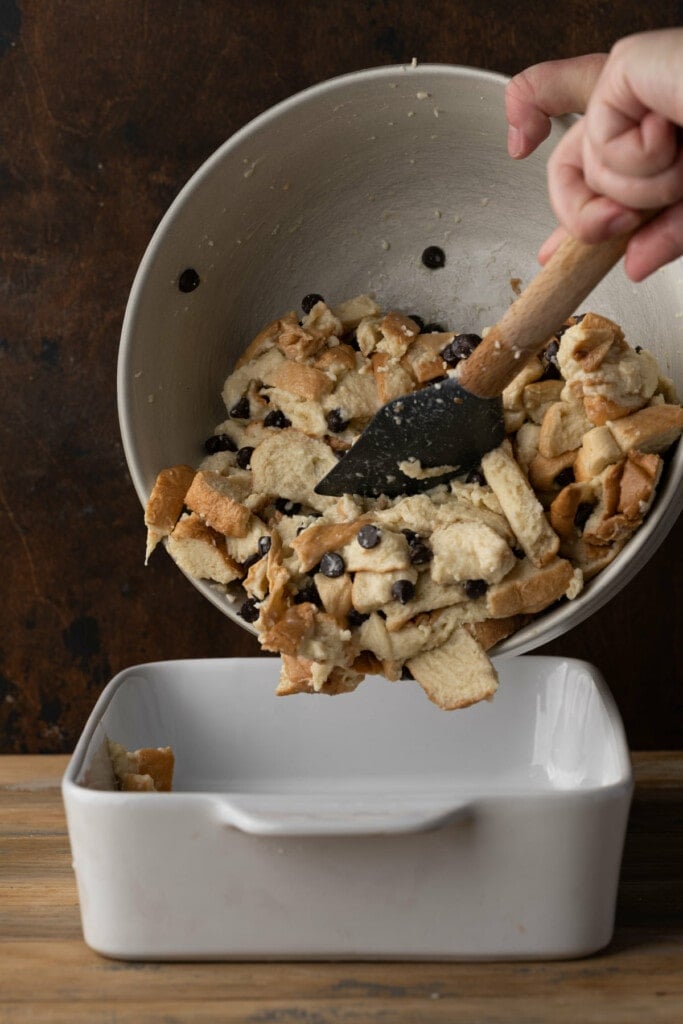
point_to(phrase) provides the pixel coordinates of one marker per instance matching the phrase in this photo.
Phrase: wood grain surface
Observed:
(47, 974)
(108, 107)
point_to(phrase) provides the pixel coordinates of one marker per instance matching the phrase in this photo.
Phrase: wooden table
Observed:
(48, 974)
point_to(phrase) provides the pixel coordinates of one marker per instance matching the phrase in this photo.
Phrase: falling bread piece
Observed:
(457, 673)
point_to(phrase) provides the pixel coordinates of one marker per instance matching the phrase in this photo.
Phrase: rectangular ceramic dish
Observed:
(370, 825)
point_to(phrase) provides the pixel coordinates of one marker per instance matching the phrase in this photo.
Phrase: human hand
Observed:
(625, 156)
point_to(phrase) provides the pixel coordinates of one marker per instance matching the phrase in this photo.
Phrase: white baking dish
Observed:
(371, 825)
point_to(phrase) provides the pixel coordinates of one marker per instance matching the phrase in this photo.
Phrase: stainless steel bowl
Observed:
(338, 190)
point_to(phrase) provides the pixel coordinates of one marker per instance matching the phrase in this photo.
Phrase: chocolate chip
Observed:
(308, 594)
(476, 476)
(332, 564)
(309, 301)
(276, 418)
(519, 553)
(264, 545)
(639, 349)
(582, 515)
(434, 257)
(252, 560)
(188, 280)
(241, 410)
(551, 369)
(460, 348)
(219, 443)
(406, 673)
(287, 507)
(417, 320)
(336, 421)
(475, 588)
(352, 340)
(403, 591)
(433, 329)
(355, 618)
(244, 457)
(564, 477)
(368, 536)
(419, 553)
(249, 612)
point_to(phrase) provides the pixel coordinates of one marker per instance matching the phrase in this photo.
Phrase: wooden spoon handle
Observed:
(554, 294)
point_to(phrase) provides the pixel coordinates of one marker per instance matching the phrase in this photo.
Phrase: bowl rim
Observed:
(547, 627)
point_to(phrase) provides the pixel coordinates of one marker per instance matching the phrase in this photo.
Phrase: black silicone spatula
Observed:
(451, 424)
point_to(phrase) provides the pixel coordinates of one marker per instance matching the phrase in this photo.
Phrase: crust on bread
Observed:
(147, 769)
(200, 551)
(598, 450)
(218, 500)
(165, 503)
(303, 381)
(456, 674)
(565, 506)
(652, 429)
(527, 590)
(491, 631)
(543, 472)
(562, 429)
(313, 543)
(391, 380)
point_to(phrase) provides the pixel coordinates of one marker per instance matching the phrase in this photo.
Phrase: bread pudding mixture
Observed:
(421, 586)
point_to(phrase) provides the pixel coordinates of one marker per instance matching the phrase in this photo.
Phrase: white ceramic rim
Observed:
(669, 501)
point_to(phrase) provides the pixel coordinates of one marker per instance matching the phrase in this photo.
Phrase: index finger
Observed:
(548, 90)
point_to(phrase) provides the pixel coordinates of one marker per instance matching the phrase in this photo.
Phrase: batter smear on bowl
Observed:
(422, 586)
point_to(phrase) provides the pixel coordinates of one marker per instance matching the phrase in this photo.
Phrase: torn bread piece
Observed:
(527, 589)
(492, 631)
(301, 675)
(456, 674)
(563, 428)
(653, 429)
(603, 371)
(165, 504)
(289, 464)
(598, 450)
(572, 506)
(469, 551)
(521, 506)
(200, 551)
(218, 501)
(147, 769)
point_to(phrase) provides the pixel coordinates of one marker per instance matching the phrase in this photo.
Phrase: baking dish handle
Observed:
(348, 815)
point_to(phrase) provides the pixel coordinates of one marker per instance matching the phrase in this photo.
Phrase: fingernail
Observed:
(622, 223)
(516, 142)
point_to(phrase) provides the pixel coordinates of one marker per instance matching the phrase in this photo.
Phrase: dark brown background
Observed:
(107, 108)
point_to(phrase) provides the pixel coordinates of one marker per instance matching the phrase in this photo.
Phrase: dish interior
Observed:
(552, 726)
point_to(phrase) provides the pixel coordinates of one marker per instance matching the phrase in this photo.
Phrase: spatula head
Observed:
(441, 426)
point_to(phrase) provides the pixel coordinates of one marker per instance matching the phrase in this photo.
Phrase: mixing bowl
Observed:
(338, 190)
